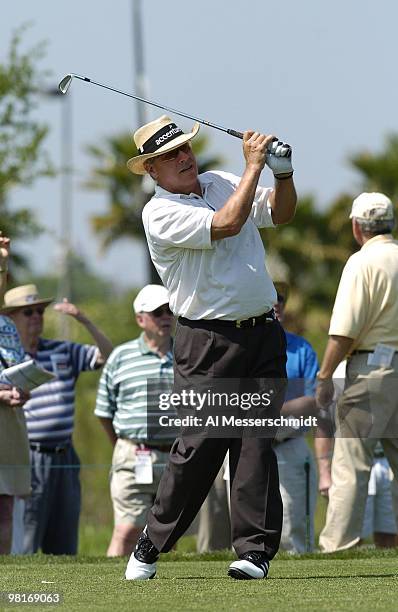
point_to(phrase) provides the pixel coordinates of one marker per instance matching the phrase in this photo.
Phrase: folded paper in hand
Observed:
(27, 375)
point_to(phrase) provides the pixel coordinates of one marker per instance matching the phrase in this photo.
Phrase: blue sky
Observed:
(319, 75)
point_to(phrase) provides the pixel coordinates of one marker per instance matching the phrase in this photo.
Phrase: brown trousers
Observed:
(205, 353)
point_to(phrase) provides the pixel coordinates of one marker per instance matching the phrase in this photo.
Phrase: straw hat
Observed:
(22, 297)
(156, 138)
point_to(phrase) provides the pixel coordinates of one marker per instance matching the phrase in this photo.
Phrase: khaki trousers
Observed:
(214, 532)
(298, 528)
(367, 411)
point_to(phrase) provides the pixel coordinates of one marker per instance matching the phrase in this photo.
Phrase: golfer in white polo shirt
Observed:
(202, 233)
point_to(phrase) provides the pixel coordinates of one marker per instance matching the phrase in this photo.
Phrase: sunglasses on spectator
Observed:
(28, 312)
(281, 299)
(161, 311)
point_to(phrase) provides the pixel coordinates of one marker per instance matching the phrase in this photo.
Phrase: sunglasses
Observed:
(171, 155)
(161, 311)
(28, 312)
(281, 299)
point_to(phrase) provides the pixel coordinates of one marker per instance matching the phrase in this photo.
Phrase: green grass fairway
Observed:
(360, 580)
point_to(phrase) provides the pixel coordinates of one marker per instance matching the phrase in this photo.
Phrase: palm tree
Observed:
(127, 192)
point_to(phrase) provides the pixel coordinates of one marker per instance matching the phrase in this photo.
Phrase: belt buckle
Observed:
(59, 448)
(251, 321)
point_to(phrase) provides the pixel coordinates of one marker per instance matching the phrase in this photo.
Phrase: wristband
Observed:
(281, 177)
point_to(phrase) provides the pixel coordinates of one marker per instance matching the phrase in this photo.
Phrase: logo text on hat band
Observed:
(162, 136)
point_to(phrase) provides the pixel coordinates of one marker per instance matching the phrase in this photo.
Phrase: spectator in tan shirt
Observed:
(364, 326)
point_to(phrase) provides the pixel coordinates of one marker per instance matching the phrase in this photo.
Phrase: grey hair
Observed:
(376, 226)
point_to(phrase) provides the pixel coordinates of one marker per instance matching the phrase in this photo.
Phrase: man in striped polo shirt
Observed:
(128, 392)
(52, 511)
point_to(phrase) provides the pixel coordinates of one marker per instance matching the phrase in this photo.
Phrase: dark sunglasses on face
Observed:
(281, 299)
(28, 312)
(166, 157)
(160, 311)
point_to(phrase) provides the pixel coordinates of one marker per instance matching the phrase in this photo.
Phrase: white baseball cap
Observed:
(150, 298)
(372, 207)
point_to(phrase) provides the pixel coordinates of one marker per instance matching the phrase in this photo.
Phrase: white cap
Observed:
(150, 298)
(372, 207)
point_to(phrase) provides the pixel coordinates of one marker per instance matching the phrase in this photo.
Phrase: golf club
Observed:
(67, 80)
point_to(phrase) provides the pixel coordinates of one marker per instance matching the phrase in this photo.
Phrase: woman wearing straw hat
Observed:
(203, 239)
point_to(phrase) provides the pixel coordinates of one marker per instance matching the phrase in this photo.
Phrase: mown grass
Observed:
(362, 579)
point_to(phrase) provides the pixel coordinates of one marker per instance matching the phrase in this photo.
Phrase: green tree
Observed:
(126, 196)
(22, 159)
(379, 171)
(316, 244)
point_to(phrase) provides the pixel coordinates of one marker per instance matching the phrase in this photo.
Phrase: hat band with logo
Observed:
(160, 138)
(155, 138)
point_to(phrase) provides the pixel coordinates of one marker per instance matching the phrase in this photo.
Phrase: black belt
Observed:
(267, 317)
(41, 448)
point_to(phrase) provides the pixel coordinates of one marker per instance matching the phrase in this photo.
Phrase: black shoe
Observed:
(145, 551)
(142, 563)
(252, 565)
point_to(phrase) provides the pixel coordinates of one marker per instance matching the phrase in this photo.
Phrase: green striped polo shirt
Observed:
(129, 388)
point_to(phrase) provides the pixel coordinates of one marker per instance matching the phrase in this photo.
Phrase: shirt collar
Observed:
(204, 181)
(378, 238)
(146, 350)
(142, 345)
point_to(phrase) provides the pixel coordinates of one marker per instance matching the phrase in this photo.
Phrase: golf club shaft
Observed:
(163, 107)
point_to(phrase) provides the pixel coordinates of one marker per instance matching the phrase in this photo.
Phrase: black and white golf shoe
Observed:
(251, 566)
(142, 562)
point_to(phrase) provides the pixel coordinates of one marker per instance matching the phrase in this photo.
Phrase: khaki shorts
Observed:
(131, 501)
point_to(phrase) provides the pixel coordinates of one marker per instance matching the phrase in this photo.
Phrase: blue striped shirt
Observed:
(50, 411)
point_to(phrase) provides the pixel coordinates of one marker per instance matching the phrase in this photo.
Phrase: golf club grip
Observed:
(235, 133)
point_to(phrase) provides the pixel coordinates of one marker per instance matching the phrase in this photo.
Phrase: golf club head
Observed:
(65, 83)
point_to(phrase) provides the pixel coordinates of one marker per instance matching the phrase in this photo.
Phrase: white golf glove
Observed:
(279, 159)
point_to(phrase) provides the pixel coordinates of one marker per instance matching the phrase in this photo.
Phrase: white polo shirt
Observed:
(366, 305)
(224, 279)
